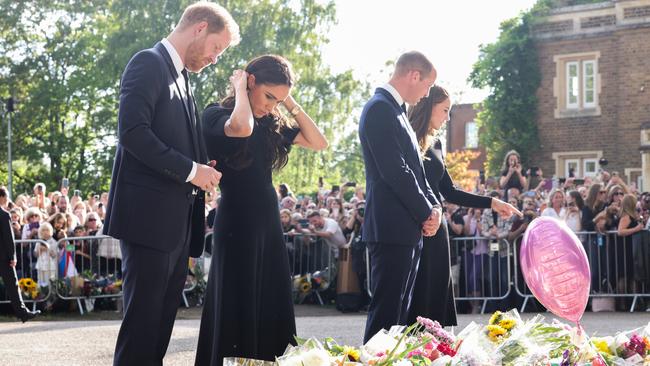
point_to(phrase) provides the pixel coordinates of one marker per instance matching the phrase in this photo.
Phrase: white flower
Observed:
(316, 357)
(290, 361)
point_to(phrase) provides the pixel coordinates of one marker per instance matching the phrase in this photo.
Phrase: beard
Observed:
(195, 63)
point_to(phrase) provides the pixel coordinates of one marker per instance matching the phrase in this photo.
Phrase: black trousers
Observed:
(153, 285)
(10, 280)
(394, 268)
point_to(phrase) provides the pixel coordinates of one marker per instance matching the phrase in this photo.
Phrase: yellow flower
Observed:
(352, 353)
(305, 286)
(601, 345)
(507, 323)
(496, 329)
(495, 318)
(496, 332)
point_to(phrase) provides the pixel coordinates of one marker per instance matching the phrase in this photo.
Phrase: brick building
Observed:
(462, 133)
(594, 98)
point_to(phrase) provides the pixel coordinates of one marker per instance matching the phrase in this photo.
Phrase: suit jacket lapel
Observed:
(184, 101)
(403, 120)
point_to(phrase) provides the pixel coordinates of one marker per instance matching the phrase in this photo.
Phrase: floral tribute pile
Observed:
(505, 340)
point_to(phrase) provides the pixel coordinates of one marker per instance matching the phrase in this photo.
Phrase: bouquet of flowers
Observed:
(28, 287)
(626, 348)
(505, 340)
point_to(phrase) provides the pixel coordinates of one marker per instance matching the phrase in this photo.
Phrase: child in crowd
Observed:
(46, 254)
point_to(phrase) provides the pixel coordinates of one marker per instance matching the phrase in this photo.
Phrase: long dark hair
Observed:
(269, 70)
(506, 165)
(420, 116)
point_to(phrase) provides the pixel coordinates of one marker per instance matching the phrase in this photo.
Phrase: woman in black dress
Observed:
(248, 309)
(433, 295)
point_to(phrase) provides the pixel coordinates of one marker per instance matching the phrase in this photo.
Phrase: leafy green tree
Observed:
(50, 67)
(509, 68)
(63, 59)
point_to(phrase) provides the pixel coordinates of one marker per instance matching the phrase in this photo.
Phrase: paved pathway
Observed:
(78, 341)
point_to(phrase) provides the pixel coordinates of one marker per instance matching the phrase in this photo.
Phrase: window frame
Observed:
(576, 172)
(585, 173)
(472, 122)
(567, 86)
(585, 104)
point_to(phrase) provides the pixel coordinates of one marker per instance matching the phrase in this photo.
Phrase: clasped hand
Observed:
(207, 177)
(432, 224)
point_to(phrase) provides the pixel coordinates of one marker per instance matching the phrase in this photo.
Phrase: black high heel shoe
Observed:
(28, 315)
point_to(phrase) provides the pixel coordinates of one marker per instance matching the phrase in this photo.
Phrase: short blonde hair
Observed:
(413, 60)
(217, 17)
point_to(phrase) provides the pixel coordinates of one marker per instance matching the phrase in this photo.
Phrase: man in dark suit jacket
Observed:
(400, 206)
(156, 204)
(8, 268)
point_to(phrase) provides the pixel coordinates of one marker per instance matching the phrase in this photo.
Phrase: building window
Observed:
(588, 84)
(471, 135)
(572, 168)
(576, 85)
(572, 90)
(577, 164)
(590, 167)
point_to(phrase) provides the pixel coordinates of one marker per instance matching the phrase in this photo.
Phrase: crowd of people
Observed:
(600, 205)
(161, 205)
(43, 220)
(609, 215)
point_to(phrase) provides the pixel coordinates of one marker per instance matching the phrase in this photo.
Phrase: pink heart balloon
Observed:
(555, 267)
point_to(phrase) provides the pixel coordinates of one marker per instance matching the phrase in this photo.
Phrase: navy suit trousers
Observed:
(153, 286)
(393, 271)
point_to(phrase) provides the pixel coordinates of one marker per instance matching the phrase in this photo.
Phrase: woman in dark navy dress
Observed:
(433, 295)
(248, 309)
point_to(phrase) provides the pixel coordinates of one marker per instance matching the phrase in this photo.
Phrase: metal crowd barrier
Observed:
(489, 270)
(312, 265)
(98, 256)
(484, 273)
(26, 268)
(200, 265)
(620, 266)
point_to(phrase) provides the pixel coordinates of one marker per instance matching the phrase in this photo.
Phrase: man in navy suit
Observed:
(400, 206)
(157, 201)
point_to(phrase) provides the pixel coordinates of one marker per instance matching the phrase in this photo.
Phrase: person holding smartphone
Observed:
(511, 175)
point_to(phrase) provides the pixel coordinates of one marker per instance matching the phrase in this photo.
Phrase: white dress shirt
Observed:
(178, 65)
(391, 89)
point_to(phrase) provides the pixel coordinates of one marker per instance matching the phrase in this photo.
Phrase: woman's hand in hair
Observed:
(241, 121)
(239, 81)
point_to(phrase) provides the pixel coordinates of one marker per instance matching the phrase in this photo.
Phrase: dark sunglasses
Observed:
(618, 194)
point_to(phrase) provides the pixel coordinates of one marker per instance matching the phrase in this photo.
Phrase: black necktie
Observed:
(404, 107)
(188, 96)
(190, 109)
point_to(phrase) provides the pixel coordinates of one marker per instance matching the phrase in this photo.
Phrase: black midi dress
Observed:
(433, 295)
(248, 308)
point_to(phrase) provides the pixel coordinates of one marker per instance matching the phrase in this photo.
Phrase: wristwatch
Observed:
(295, 110)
